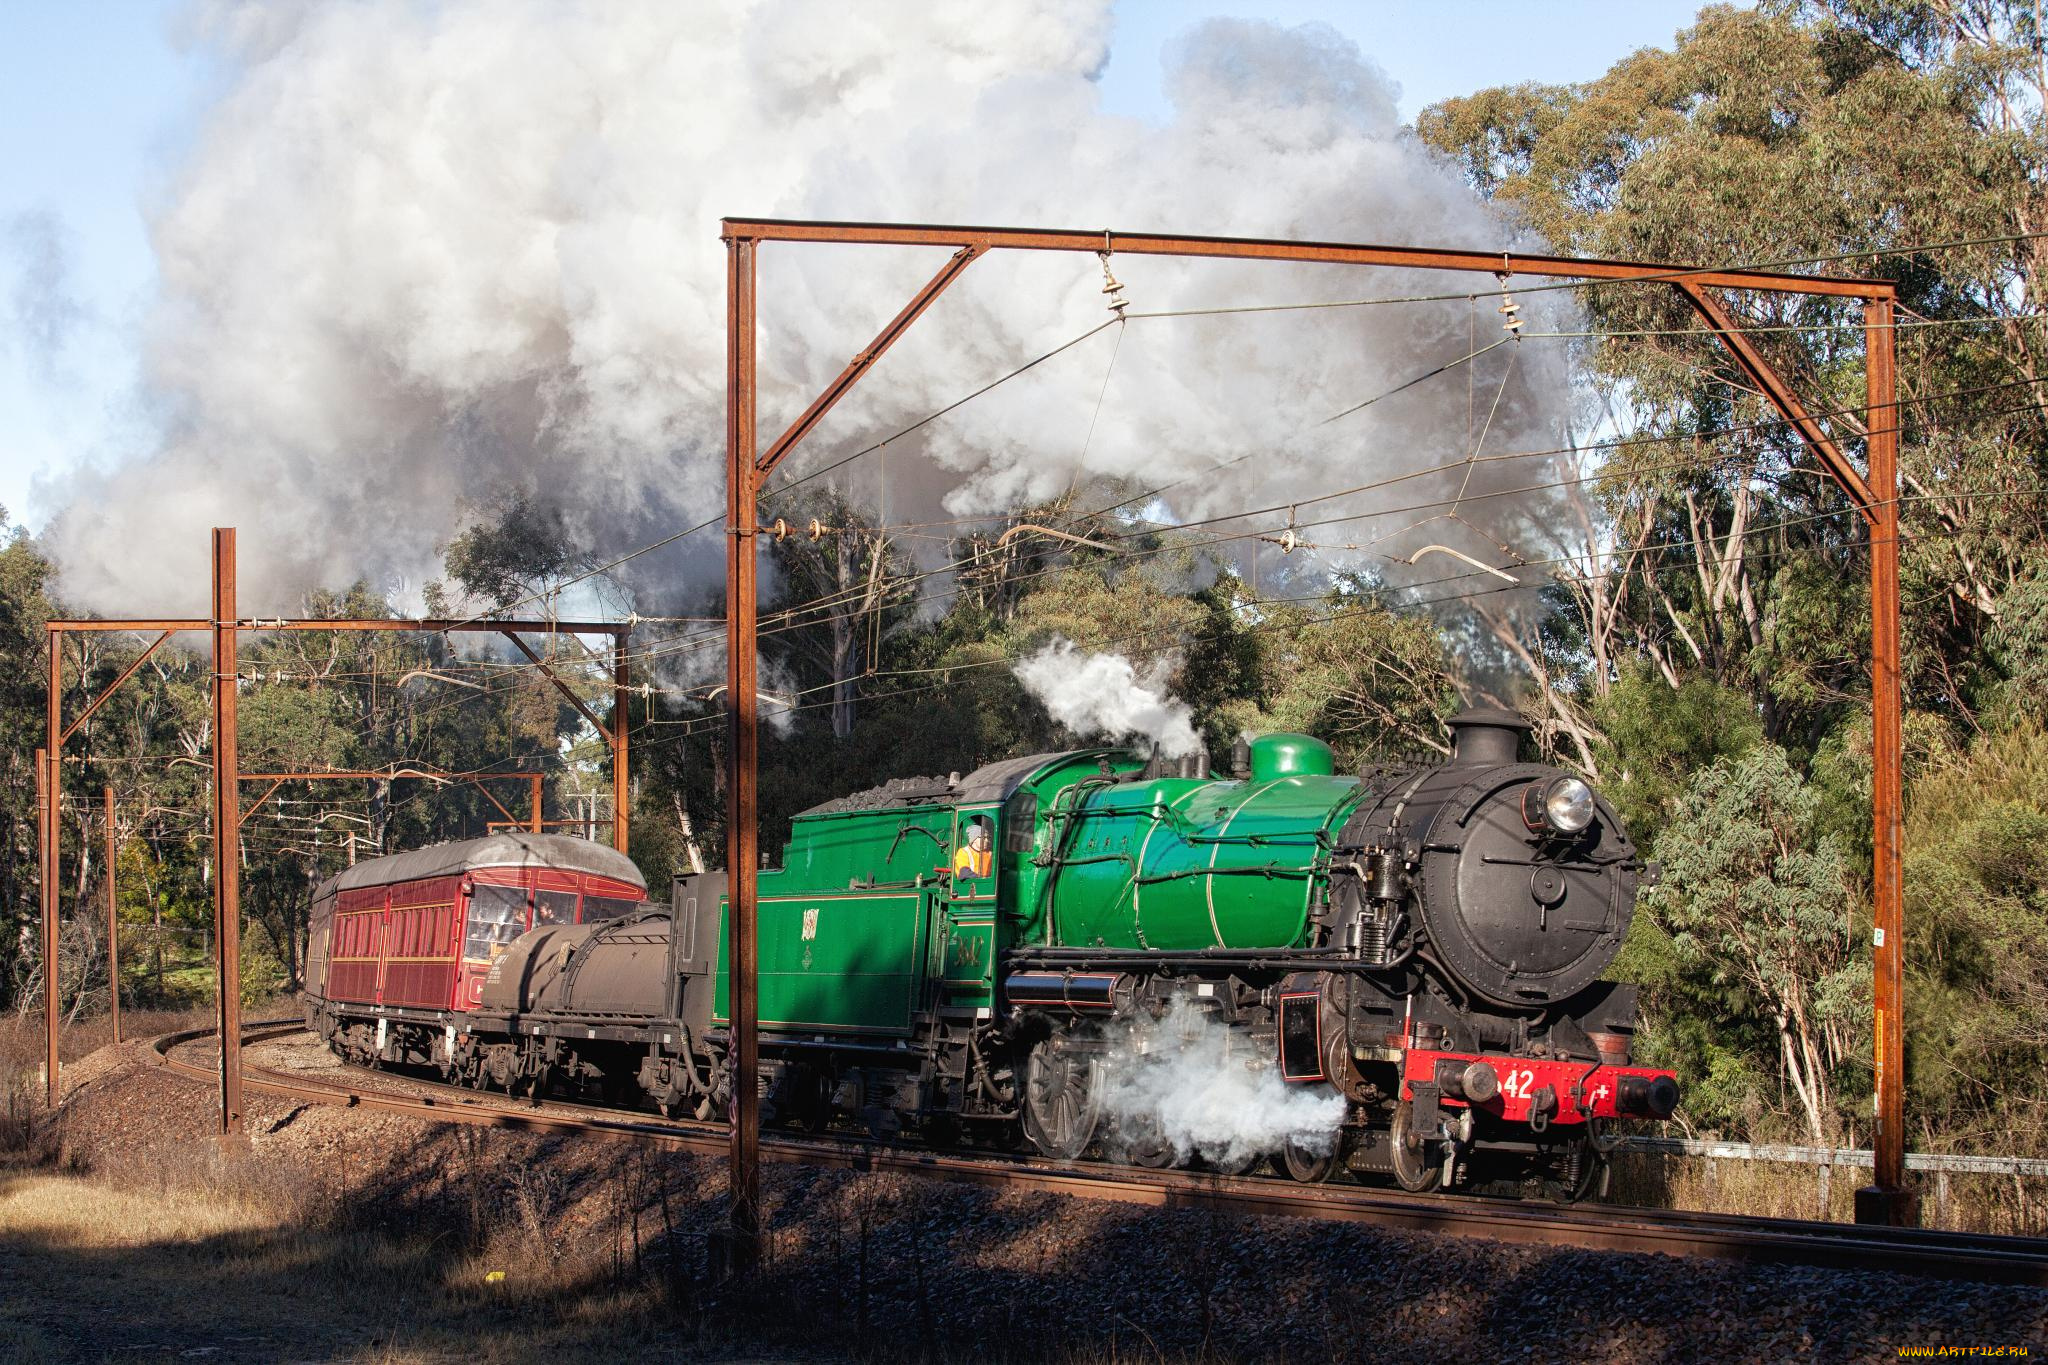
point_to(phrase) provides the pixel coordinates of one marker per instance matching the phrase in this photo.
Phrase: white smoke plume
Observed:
(1186, 1081)
(41, 313)
(430, 255)
(1106, 694)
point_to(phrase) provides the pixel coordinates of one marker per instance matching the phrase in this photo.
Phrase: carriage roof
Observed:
(510, 848)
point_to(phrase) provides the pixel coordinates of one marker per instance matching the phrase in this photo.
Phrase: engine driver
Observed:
(975, 857)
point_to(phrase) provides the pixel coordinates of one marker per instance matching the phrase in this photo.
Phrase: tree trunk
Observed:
(1801, 1083)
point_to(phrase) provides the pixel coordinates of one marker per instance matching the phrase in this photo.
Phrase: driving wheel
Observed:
(1062, 1098)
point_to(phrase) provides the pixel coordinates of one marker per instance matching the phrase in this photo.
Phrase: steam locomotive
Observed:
(1006, 955)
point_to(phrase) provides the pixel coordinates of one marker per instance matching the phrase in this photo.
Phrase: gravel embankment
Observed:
(889, 1267)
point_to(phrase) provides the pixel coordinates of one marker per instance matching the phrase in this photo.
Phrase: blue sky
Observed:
(98, 99)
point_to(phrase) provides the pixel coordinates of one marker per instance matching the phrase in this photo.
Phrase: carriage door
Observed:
(384, 949)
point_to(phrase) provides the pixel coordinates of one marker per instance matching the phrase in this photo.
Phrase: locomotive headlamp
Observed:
(1563, 805)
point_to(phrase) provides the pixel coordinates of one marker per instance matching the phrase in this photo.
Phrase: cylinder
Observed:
(1383, 876)
(1067, 992)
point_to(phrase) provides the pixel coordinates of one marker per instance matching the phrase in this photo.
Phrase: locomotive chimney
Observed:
(1486, 739)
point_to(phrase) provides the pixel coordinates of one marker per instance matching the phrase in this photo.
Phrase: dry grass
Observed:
(1769, 1189)
(25, 1137)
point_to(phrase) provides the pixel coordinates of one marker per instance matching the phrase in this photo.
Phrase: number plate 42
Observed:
(1517, 1084)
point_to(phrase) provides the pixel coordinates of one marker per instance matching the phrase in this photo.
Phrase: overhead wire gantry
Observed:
(226, 626)
(1872, 490)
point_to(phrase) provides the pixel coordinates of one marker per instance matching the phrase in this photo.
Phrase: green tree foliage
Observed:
(844, 587)
(1721, 598)
(1976, 883)
(1756, 907)
(1657, 736)
(1372, 683)
(24, 608)
(310, 702)
(1776, 135)
(517, 556)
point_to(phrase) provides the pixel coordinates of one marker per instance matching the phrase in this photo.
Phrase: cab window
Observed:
(975, 855)
(1020, 818)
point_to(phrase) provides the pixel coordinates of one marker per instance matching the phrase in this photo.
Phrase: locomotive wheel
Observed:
(1142, 1142)
(1306, 1166)
(1062, 1099)
(1414, 1171)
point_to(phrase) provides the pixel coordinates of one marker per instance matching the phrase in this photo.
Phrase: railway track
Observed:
(1915, 1251)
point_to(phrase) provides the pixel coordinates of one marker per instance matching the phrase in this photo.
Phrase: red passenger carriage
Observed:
(399, 947)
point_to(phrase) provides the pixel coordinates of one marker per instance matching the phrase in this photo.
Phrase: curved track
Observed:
(1914, 1251)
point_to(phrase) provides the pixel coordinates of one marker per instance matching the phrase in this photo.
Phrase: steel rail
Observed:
(1936, 1253)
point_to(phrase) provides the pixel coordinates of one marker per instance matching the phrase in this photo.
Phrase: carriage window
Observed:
(554, 907)
(597, 908)
(497, 915)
